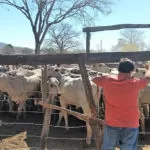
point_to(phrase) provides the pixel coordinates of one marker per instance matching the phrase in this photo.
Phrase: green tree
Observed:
(130, 40)
(8, 50)
(42, 14)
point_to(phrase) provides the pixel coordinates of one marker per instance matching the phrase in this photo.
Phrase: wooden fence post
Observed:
(47, 116)
(88, 35)
(44, 84)
(96, 129)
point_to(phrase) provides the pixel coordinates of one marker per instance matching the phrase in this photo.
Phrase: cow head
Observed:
(53, 87)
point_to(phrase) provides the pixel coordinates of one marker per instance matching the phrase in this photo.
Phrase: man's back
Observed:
(121, 100)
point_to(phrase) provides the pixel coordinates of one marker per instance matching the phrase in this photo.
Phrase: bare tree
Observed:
(131, 39)
(42, 14)
(63, 38)
(48, 50)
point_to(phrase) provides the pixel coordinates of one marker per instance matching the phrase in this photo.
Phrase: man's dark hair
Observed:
(126, 65)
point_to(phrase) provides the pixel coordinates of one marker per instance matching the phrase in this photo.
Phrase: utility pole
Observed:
(101, 46)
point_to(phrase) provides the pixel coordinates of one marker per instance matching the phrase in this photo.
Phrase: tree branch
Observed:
(29, 15)
(38, 13)
(20, 8)
(45, 21)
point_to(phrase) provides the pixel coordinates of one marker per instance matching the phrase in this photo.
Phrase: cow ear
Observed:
(136, 70)
(57, 70)
(58, 65)
(100, 65)
(146, 66)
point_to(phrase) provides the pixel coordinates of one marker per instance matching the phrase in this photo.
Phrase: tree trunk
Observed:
(37, 47)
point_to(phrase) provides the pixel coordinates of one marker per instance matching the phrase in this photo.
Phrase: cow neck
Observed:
(62, 78)
(59, 76)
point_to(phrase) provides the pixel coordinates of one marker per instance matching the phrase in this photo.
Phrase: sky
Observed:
(15, 28)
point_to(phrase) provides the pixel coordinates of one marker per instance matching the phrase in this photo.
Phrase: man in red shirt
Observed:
(121, 101)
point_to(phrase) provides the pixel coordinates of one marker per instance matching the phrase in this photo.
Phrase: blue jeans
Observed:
(125, 138)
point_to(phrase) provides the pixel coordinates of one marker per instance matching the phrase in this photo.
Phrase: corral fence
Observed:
(80, 59)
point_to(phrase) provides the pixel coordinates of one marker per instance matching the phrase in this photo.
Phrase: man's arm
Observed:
(148, 80)
(99, 80)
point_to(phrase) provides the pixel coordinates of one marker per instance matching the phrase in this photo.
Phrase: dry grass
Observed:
(17, 143)
(14, 143)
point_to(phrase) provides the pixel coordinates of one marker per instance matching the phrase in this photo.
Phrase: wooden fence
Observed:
(80, 59)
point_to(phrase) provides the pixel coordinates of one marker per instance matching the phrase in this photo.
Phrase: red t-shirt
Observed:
(121, 100)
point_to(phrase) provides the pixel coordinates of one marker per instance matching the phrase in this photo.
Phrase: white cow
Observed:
(101, 68)
(53, 87)
(19, 88)
(72, 92)
(25, 72)
(22, 72)
(144, 96)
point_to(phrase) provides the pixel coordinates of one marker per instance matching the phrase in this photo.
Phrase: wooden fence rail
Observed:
(72, 58)
(115, 27)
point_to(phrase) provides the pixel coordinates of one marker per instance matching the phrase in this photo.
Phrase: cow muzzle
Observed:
(58, 94)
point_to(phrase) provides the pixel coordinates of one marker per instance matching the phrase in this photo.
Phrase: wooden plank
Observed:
(108, 57)
(38, 59)
(76, 114)
(115, 27)
(96, 129)
(104, 57)
(44, 84)
(87, 85)
(47, 116)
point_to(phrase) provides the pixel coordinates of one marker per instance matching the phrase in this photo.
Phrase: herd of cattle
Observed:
(21, 84)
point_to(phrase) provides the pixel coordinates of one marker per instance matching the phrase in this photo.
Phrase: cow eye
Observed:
(136, 70)
(51, 85)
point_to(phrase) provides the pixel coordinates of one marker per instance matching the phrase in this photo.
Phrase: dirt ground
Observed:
(19, 135)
